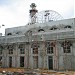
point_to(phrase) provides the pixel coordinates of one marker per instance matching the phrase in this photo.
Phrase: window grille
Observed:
(10, 51)
(0, 51)
(22, 51)
(50, 47)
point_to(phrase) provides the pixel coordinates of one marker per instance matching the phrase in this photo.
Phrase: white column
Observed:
(31, 59)
(40, 58)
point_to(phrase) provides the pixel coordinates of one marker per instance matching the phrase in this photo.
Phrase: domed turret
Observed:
(32, 12)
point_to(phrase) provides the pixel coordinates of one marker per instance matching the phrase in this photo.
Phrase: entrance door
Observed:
(21, 61)
(10, 62)
(50, 62)
(35, 61)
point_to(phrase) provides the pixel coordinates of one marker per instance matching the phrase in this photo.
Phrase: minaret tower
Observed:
(32, 12)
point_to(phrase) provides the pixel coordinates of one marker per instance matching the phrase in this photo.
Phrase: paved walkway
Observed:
(22, 71)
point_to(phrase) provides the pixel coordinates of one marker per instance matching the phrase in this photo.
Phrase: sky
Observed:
(15, 13)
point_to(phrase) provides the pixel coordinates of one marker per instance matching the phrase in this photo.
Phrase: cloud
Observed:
(13, 15)
(16, 12)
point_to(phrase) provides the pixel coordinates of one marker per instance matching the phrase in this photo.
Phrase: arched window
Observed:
(22, 49)
(41, 30)
(66, 46)
(35, 50)
(53, 28)
(68, 26)
(9, 34)
(18, 32)
(50, 47)
(10, 49)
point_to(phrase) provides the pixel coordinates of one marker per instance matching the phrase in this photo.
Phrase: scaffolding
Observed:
(35, 50)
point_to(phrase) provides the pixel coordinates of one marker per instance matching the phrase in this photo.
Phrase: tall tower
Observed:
(32, 12)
